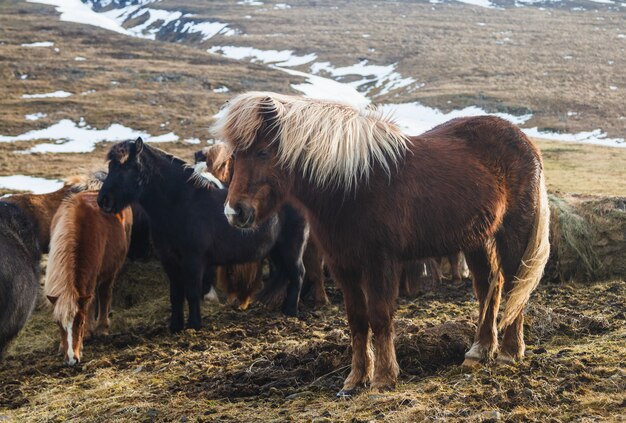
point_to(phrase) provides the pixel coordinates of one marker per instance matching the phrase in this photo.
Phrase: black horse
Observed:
(189, 230)
(19, 270)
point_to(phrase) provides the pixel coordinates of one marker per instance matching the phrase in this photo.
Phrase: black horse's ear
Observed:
(138, 145)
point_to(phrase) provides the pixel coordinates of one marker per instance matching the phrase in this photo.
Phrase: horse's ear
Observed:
(53, 300)
(270, 109)
(83, 301)
(138, 145)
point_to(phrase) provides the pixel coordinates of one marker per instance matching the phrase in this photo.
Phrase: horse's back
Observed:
(102, 239)
(19, 270)
(461, 179)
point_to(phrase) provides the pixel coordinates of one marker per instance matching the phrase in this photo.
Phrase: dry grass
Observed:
(257, 365)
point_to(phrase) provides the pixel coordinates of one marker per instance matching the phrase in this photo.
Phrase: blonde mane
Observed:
(61, 268)
(86, 182)
(333, 144)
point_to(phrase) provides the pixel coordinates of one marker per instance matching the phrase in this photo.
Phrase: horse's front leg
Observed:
(177, 294)
(381, 287)
(356, 308)
(105, 297)
(192, 276)
(292, 299)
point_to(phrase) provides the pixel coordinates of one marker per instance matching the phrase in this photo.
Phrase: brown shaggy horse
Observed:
(87, 250)
(375, 197)
(241, 280)
(40, 208)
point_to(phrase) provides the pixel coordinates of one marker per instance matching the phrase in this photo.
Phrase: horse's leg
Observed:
(511, 246)
(486, 339)
(92, 315)
(177, 294)
(435, 270)
(273, 292)
(349, 281)
(454, 267)
(105, 295)
(193, 275)
(292, 299)
(314, 276)
(208, 283)
(381, 288)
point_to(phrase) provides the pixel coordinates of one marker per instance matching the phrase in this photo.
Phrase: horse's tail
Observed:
(62, 261)
(533, 261)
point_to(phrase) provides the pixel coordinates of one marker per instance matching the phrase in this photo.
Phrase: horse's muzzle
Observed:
(239, 216)
(105, 202)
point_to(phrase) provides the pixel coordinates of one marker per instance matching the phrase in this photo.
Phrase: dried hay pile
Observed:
(588, 238)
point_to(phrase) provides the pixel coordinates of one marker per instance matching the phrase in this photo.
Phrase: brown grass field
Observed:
(258, 365)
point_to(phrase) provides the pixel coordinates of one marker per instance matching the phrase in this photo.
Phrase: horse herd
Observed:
(298, 182)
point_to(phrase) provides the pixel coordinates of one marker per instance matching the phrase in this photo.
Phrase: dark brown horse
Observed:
(375, 197)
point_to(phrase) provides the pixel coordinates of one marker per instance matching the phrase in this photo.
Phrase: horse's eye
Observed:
(262, 154)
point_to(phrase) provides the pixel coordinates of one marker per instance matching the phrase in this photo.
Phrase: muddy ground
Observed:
(258, 365)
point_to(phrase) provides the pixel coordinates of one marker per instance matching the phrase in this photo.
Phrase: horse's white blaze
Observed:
(211, 296)
(70, 347)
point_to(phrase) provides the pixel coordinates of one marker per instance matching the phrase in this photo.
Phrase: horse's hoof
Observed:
(471, 362)
(379, 389)
(245, 304)
(505, 359)
(291, 312)
(176, 328)
(347, 393)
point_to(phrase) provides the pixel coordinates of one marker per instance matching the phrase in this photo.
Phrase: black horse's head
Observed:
(122, 185)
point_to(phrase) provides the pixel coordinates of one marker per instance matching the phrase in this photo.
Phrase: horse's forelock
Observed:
(120, 152)
(245, 115)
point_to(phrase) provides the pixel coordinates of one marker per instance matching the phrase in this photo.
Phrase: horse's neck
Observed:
(323, 206)
(164, 184)
(41, 208)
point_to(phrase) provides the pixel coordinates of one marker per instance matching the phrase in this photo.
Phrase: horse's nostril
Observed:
(238, 210)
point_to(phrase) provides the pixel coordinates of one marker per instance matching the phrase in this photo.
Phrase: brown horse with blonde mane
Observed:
(87, 250)
(375, 197)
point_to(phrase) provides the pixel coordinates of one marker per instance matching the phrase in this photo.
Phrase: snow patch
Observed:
(30, 183)
(79, 59)
(39, 44)
(35, 116)
(72, 137)
(595, 137)
(284, 58)
(383, 78)
(327, 89)
(481, 3)
(415, 118)
(56, 94)
(77, 11)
